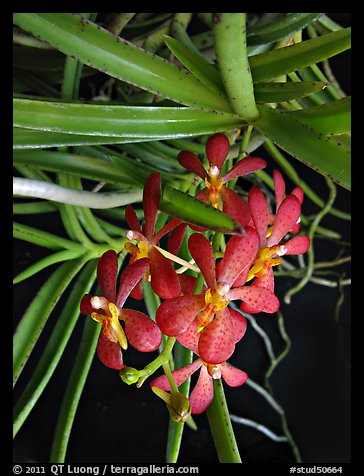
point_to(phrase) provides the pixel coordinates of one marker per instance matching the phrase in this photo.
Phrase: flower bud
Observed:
(178, 405)
(129, 375)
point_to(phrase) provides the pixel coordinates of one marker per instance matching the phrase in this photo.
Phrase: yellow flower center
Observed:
(266, 257)
(138, 251)
(112, 328)
(214, 184)
(214, 301)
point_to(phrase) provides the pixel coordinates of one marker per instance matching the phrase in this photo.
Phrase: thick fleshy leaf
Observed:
(132, 219)
(235, 206)
(202, 252)
(239, 324)
(175, 315)
(217, 342)
(107, 270)
(233, 377)
(142, 333)
(259, 298)
(287, 216)
(217, 149)
(110, 353)
(279, 187)
(165, 282)
(190, 337)
(203, 393)
(85, 304)
(130, 276)
(151, 198)
(191, 162)
(297, 245)
(179, 376)
(240, 252)
(260, 213)
(244, 167)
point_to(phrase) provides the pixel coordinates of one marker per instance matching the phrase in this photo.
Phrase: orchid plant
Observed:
(169, 183)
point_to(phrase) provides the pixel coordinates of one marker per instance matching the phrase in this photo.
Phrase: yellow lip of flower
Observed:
(111, 324)
(214, 301)
(267, 257)
(214, 184)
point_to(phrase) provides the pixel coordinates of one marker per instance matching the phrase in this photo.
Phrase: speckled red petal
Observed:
(142, 333)
(202, 252)
(110, 353)
(165, 281)
(266, 282)
(240, 252)
(233, 376)
(179, 376)
(287, 216)
(239, 324)
(175, 315)
(190, 337)
(217, 149)
(235, 206)
(217, 342)
(85, 304)
(260, 213)
(175, 238)
(191, 162)
(151, 199)
(260, 298)
(107, 270)
(203, 393)
(297, 245)
(244, 167)
(279, 187)
(129, 278)
(132, 219)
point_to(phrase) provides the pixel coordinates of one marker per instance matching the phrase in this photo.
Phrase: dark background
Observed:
(121, 424)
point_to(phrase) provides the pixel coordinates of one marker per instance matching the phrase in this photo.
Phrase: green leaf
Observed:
(36, 316)
(307, 145)
(287, 91)
(284, 60)
(279, 28)
(120, 121)
(76, 382)
(56, 344)
(330, 118)
(97, 47)
(189, 209)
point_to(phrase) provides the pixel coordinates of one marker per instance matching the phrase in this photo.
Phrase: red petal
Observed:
(165, 281)
(298, 192)
(259, 211)
(241, 279)
(175, 238)
(142, 333)
(279, 187)
(151, 199)
(217, 149)
(240, 252)
(203, 393)
(171, 225)
(179, 376)
(244, 167)
(287, 216)
(216, 343)
(137, 292)
(233, 377)
(297, 245)
(202, 252)
(239, 324)
(85, 305)
(175, 315)
(132, 219)
(267, 282)
(190, 337)
(107, 270)
(235, 206)
(110, 353)
(260, 298)
(188, 283)
(130, 276)
(191, 162)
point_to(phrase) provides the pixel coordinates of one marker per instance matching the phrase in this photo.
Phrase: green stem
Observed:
(162, 358)
(221, 427)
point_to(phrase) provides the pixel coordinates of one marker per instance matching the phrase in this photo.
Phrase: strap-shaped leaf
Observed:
(56, 344)
(309, 146)
(291, 58)
(181, 205)
(287, 91)
(330, 118)
(94, 46)
(35, 317)
(115, 121)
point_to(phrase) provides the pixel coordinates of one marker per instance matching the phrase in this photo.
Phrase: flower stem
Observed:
(162, 359)
(221, 427)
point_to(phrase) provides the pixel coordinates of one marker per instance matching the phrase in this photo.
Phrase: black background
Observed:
(122, 424)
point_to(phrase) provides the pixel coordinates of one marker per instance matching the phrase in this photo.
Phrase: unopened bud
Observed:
(178, 405)
(129, 375)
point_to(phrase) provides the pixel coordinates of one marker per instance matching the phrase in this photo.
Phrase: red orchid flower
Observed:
(219, 327)
(272, 228)
(217, 149)
(164, 279)
(140, 331)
